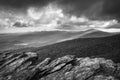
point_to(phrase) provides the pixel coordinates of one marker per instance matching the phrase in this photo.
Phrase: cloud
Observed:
(23, 3)
(79, 6)
(52, 18)
(111, 7)
(95, 9)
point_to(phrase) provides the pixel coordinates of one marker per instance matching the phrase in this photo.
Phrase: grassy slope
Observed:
(36, 39)
(108, 47)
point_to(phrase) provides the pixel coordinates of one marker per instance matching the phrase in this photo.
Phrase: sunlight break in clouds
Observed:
(52, 18)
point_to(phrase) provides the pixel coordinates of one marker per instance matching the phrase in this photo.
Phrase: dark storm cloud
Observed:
(112, 7)
(74, 6)
(91, 7)
(23, 3)
(109, 8)
(80, 4)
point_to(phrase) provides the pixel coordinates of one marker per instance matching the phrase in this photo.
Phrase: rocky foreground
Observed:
(26, 66)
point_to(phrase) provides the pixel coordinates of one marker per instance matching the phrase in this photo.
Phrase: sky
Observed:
(109, 7)
(61, 15)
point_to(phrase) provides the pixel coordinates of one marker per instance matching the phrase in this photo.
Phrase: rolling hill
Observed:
(107, 47)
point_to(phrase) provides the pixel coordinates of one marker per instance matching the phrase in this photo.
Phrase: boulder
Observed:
(26, 66)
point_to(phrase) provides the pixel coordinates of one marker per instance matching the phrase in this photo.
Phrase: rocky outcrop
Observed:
(26, 66)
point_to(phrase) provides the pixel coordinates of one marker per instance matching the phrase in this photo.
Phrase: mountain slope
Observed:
(35, 39)
(79, 59)
(108, 47)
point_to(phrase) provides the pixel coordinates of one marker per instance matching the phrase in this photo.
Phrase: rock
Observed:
(108, 66)
(117, 71)
(15, 64)
(58, 67)
(87, 62)
(83, 73)
(31, 54)
(42, 64)
(101, 77)
(64, 59)
(69, 75)
(12, 66)
(8, 61)
(21, 67)
(24, 66)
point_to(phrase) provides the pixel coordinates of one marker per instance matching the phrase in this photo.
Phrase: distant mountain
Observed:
(107, 47)
(39, 39)
(35, 39)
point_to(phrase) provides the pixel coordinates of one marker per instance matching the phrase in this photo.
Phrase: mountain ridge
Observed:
(89, 46)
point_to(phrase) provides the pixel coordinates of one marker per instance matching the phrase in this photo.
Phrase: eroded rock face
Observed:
(26, 66)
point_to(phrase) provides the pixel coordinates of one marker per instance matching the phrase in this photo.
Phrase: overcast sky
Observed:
(68, 15)
(104, 7)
